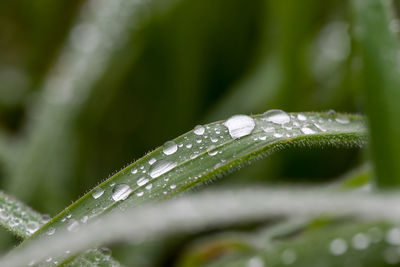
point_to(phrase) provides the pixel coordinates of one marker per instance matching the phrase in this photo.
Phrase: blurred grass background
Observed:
(180, 63)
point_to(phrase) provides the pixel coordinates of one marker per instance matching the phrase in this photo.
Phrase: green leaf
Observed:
(379, 47)
(24, 221)
(201, 211)
(206, 152)
(18, 218)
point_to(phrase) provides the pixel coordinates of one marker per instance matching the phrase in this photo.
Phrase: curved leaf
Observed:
(206, 152)
(18, 218)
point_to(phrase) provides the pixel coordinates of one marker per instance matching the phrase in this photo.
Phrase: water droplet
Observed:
(140, 193)
(263, 138)
(212, 151)
(278, 135)
(276, 116)
(307, 130)
(239, 125)
(73, 226)
(288, 256)
(161, 167)
(32, 226)
(97, 192)
(198, 141)
(301, 117)
(152, 161)
(342, 120)
(133, 171)
(338, 246)
(149, 186)
(121, 192)
(189, 145)
(360, 241)
(172, 186)
(105, 251)
(320, 127)
(51, 231)
(214, 139)
(142, 181)
(170, 148)
(199, 130)
(84, 219)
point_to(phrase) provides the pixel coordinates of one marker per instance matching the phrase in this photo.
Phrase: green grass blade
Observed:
(204, 153)
(201, 211)
(379, 47)
(24, 221)
(18, 218)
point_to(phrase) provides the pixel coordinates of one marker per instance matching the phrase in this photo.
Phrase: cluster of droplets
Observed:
(20, 218)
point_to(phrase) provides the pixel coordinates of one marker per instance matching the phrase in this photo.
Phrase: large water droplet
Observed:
(170, 148)
(121, 192)
(161, 167)
(142, 181)
(97, 192)
(338, 246)
(199, 130)
(276, 116)
(239, 125)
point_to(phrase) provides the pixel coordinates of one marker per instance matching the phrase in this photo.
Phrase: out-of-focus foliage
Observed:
(175, 64)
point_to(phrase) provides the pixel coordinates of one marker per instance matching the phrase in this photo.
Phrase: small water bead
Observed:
(307, 130)
(189, 145)
(214, 139)
(161, 167)
(263, 137)
(276, 116)
(97, 192)
(301, 117)
(140, 193)
(149, 186)
(360, 241)
(121, 192)
(338, 246)
(239, 126)
(170, 148)
(198, 141)
(172, 186)
(199, 130)
(342, 120)
(73, 226)
(142, 181)
(288, 256)
(105, 251)
(51, 231)
(32, 226)
(152, 161)
(212, 151)
(320, 127)
(84, 219)
(278, 135)
(134, 171)
(46, 218)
